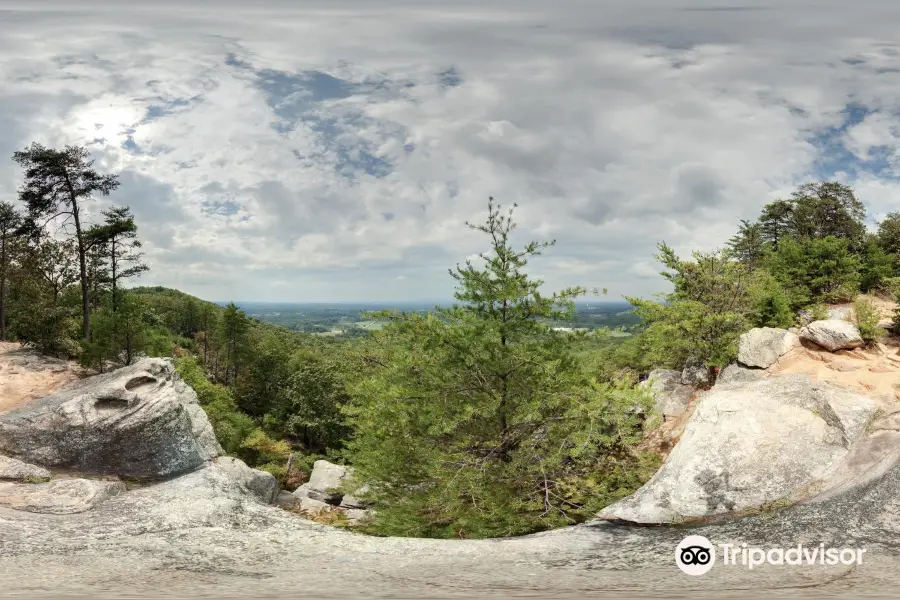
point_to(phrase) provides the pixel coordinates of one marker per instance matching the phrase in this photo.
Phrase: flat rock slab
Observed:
(201, 534)
(748, 446)
(16, 470)
(138, 421)
(58, 497)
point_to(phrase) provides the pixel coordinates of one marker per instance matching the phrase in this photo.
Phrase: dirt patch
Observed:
(25, 376)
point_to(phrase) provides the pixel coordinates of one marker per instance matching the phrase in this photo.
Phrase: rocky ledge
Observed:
(208, 528)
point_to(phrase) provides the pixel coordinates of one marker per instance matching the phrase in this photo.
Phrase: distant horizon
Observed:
(374, 302)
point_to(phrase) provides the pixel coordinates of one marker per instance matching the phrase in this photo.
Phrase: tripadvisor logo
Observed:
(696, 555)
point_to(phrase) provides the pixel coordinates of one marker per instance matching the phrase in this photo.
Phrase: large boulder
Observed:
(761, 347)
(749, 445)
(735, 373)
(260, 484)
(327, 490)
(140, 421)
(832, 334)
(672, 397)
(326, 483)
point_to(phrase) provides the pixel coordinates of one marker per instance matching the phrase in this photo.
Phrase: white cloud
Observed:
(340, 148)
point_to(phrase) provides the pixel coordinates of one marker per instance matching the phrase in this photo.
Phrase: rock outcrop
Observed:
(695, 375)
(761, 347)
(832, 334)
(326, 490)
(210, 533)
(671, 396)
(262, 485)
(749, 445)
(735, 373)
(139, 421)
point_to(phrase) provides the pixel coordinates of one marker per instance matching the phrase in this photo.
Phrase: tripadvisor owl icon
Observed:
(695, 555)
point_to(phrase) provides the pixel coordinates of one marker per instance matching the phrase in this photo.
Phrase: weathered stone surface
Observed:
(761, 347)
(285, 499)
(832, 334)
(138, 421)
(16, 470)
(695, 375)
(261, 484)
(735, 373)
(672, 397)
(748, 445)
(325, 483)
(60, 496)
(201, 535)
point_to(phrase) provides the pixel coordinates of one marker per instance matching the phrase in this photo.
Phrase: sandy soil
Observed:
(873, 371)
(25, 377)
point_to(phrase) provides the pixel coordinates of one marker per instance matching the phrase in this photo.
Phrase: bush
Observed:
(867, 318)
(818, 311)
(230, 425)
(815, 269)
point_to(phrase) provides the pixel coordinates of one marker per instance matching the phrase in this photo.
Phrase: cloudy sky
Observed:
(325, 151)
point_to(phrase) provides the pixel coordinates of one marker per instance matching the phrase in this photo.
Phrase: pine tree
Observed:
(10, 222)
(57, 184)
(480, 419)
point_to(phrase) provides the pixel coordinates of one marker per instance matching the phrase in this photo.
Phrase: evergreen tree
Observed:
(776, 222)
(10, 222)
(889, 233)
(122, 248)
(480, 419)
(233, 330)
(829, 209)
(57, 184)
(748, 245)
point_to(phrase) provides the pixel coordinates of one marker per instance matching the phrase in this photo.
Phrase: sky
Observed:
(305, 151)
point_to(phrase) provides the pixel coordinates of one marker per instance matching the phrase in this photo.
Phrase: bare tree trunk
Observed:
(82, 265)
(3, 289)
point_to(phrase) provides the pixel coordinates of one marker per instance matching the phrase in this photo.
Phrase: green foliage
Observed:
(889, 233)
(818, 311)
(711, 304)
(479, 420)
(262, 449)
(231, 426)
(867, 318)
(686, 331)
(771, 305)
(748, 245)
(813, 269)
(309, 405)
(877, 266)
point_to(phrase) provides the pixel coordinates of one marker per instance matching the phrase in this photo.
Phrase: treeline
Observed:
(778, 271)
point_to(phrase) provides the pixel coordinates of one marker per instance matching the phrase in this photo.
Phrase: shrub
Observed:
(867, 318)
(230, 425)
(818, 311)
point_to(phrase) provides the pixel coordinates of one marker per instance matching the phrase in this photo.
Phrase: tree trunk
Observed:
(112, 255)
(82, 265)
(3, 241)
